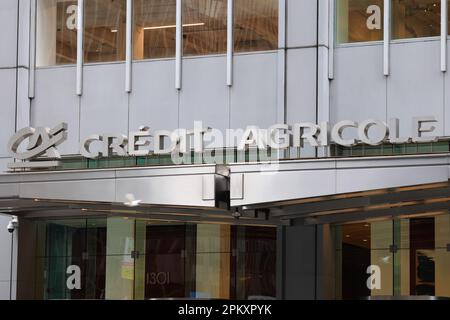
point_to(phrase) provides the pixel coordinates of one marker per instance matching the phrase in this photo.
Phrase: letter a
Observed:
(74, 281)
(374, 281)
(374, 21)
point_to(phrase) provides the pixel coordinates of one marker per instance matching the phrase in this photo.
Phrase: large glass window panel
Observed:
(423, 261)
(359, 20)
(119, 258)
(204, 27)
(416, 19)
(70, 243)
(154, 29)
(360, 246)
(255, 263)
(255, 25)
(213, 257)
(104, 30)
(56, 32)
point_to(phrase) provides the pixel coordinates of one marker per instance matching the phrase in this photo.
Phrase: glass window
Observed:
(154, 29)
(416, 19)
(359, 247)
(121, 258)
(359, 20)
(104, 30)
(412, 257)
(56, 32)
(204, 27)
(255, 25)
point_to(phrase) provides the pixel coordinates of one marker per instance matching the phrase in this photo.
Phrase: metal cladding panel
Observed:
(254, 93)
(358, 91)
(416, 84)
(251, 184)
(9, 190)
(204, 95)
(104, 104)
(154, 100)
(168, 190)
(60, 104)
(355, 180)
(259, 187)
(7, 107)
(8, 32)
(175, 186)
(447, 99)
(301, 23)
(88, 190)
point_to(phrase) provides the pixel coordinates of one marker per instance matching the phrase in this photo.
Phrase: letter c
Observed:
(338, 131)
(85, 146)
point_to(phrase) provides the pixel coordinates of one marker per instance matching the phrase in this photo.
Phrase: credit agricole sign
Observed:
(38, 147)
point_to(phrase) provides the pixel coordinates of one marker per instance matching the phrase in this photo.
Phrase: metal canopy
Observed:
(310, 191)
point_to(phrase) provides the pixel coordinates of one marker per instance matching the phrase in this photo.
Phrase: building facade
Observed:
(334, 183)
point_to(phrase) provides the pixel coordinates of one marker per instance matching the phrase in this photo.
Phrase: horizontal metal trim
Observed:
(344, 163)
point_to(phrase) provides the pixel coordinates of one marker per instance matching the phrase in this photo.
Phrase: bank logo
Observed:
(41, 141)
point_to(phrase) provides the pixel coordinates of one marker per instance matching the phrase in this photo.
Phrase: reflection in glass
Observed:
(361, 246)
(121, 258)
(69, 243)
(359, 20)
(416, 19)
(413, 256)
(255, 263)
(154, 29)
(204, 27)
(56, 32)
(104, 30)
(255, 25)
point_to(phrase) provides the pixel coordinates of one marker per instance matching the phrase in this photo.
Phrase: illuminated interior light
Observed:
(174, 26)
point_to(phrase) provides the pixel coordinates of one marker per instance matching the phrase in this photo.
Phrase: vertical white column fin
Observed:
(80, 58)
(129, 46)
(230, 41)
(32, 48)
(444, 34)
(331, 37)
(281, 70)
(282, 24)
(179, 44)
(386, 37)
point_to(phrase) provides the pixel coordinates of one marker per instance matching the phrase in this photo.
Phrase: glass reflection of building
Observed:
(412, 254)
(123, 258)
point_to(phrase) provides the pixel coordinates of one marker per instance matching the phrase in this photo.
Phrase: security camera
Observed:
(13, 224)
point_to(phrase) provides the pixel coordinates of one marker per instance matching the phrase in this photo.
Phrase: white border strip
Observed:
(282, 24)
(386, 37)
(80, 51)
(178, 44)
(331, 39)
(230, 41)
(129, 46)
(32, 50)
(444, 34)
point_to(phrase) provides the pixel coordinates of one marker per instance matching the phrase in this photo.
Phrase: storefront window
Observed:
(154, 29)
(104, 30)
(56, 32)
(255, 25)
(359, 20)
(416, 19)
(123, 258)
(204, 27)
(404, 257)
